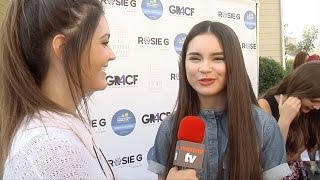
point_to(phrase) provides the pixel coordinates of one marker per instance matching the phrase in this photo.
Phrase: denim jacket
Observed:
(273, 162)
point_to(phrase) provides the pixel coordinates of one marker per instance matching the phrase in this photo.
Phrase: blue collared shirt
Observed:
(273, 162)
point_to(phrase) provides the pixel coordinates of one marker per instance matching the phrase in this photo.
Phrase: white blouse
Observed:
(58, 146)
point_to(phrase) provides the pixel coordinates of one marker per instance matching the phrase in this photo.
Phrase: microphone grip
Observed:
(189, 155)
(181, 168)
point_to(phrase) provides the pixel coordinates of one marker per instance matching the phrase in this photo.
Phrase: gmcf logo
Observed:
(122, 80)
(181, 10)
(154, 118)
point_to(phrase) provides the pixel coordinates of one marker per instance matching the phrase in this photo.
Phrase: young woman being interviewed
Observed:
(240, 138)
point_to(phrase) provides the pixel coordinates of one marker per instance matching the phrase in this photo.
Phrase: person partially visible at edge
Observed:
(295, 103)
(52, 54)
(313, 57)
(242, 141)
(300, 58)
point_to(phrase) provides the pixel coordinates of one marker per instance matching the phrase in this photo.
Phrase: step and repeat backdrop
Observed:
(147, 37)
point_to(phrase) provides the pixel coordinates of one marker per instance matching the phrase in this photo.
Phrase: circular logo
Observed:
(146, 40)
(152, 9)
(150, 154)
(123, 122)
(111, 2)
(178, 42)
(250, 20)
(117, 162)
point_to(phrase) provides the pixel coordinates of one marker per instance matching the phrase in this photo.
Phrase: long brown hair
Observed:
(240, 98)
(300, 59)
(303, 82)
(26, 31)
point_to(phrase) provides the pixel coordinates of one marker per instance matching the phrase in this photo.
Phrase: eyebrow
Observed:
(212, 54)
(107, 35)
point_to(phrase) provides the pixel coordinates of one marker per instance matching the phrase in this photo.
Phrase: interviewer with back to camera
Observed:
(242, 141)
(52, 54)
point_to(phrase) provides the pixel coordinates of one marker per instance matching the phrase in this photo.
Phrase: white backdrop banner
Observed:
(147, 37)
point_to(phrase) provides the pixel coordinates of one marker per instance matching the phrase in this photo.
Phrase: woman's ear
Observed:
(57, 45)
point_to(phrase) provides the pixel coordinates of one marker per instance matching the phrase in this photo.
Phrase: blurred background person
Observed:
(313, 57)
(295, 103)
(300, 58)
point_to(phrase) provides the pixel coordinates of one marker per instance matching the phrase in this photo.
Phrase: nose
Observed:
(112, 56)
(205, 66)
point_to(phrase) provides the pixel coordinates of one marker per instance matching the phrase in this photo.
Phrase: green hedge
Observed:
(289, 66)
(270, 73)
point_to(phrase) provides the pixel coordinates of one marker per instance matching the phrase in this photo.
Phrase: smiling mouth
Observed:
(206, 82)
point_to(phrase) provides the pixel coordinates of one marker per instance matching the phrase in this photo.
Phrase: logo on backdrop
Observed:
(154, 86)
(178, 42)
(120, 81)
(120, 44)
(250, 20)
(228, 15)
(150, 154)
(133, 161)
(98, 125)
(181, 10)
(129, 5)
(152, 9)
(174, 76)
(154, 83)
(151, 119)
(248, 45)
(123, 122)
(154, 42)
(120, 49)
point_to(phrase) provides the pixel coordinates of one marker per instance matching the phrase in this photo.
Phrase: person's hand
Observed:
(288, 109)
(175, 174)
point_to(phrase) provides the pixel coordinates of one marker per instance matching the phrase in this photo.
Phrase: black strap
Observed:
(273, 105)
(94, 148)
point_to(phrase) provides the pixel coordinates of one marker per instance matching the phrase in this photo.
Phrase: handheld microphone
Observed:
(189, 149)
